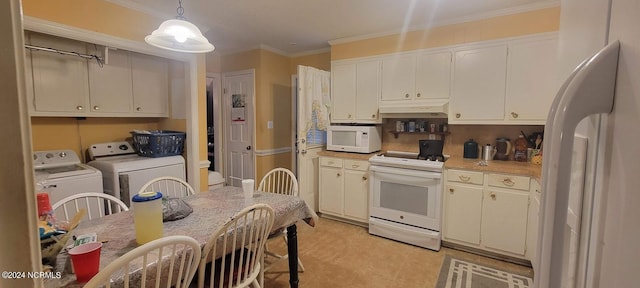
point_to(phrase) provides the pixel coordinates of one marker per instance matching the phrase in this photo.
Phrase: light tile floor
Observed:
(337, 254)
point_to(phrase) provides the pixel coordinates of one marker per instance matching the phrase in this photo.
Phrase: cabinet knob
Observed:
(79, 107)
(338, 174)
(349, 116)
(514, 114)
(373, 116)
(138, 108)
(418, 95)
(364, 178)
(96, 107)
(508, 182)
(451, 190)
(406, 95)
(492, 195)
(464, 178)
(458, 115)
(355, 165)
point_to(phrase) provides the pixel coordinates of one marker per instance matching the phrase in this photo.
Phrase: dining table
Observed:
(211, 209)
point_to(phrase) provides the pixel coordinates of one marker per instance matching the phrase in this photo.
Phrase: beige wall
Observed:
(539, 21)
(104, 17)
(321, 61)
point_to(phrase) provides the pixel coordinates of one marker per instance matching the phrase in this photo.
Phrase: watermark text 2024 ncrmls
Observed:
(32, 275)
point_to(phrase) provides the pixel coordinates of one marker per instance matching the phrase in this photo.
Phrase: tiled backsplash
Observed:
(454, 142)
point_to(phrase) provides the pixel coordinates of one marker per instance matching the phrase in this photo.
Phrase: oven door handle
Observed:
(406, 172)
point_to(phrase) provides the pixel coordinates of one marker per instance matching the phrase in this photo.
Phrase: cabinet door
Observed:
(150, 79)
(433, 75)
(531, 79)
(398, 78)
(462, 211)
(110, 85)
(504, 220)
(367, 90)
(60, 82)
(343, 83)
(356, 194)
(479, 84)
(331, 190)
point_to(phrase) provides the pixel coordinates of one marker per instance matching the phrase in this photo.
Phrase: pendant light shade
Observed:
(179, 35)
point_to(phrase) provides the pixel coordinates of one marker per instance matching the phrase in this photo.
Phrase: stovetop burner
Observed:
(409, 161)
(439, 158)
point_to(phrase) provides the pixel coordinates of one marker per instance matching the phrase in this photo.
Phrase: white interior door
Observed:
(238, 97)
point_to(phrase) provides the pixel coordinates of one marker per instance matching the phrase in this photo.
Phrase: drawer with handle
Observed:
(463, 176)
(508, 181)
(356, 165)
(331, 162)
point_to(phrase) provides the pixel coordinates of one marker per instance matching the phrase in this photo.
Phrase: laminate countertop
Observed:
(349, 155)
(509, 167)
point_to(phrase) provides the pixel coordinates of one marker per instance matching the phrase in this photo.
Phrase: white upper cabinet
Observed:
(531, 80)
(479, 84)
(398, 77)
(150, 77)
(433, 75)
(110, 85)
(416, 76)
(127, 85)
(510, 82)
(355, 91)
(60, 82)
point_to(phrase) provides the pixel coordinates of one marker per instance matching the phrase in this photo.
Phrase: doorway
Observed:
(214, 119)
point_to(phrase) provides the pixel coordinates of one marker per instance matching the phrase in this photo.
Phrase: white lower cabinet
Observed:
(344, 188)
(463, 205)
(489, 212)
(533, 222)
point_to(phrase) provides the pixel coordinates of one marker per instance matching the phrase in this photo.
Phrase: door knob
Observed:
(248, 148)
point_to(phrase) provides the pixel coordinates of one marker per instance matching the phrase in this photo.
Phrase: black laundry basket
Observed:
(158, 143)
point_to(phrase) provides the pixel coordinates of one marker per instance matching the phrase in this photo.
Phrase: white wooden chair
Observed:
(242, 240)
(96, 204)
(281, 181)
(169, 187)
(170, 261)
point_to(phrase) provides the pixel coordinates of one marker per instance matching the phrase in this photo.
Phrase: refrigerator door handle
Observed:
(588, 90)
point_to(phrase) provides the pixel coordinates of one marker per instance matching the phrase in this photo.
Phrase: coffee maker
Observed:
(503, 149)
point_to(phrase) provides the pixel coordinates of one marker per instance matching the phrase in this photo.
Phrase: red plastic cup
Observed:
(44, 206)
(86, 260)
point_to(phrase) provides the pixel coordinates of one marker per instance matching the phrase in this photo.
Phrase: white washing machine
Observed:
(60, 173)
(124, 172)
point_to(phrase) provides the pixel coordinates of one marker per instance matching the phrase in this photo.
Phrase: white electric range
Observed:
(405, 198)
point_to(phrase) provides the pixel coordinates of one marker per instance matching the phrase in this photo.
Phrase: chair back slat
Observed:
(169, 187)
(239, 246)
(166, 262)
(279, 180)
(96, 204)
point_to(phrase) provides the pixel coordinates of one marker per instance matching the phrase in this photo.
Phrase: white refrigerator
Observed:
(600, 100)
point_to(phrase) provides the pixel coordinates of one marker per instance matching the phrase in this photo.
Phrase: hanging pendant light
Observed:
(179, 35)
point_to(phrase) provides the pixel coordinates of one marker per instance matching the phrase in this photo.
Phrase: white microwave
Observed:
(360, 139)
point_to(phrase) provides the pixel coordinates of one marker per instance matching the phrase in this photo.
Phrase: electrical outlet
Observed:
(269, 124)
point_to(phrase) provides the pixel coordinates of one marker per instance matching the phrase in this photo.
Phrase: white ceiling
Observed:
(295, 27)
